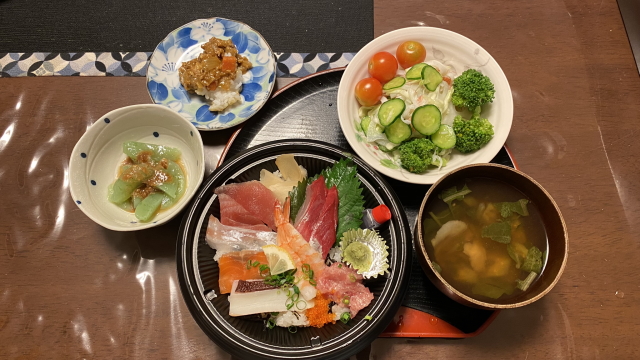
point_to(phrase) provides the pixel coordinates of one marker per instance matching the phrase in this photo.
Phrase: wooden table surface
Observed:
(71, 289)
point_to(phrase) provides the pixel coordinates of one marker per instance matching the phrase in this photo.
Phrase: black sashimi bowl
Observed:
(248, 337)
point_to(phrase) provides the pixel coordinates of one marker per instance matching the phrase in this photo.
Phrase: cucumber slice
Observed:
(365, 123)
(398, 131)
(394, 83)
(431, 78)
(444, 138)
(147, 209)
(390, 110)
(133, 148)
(415, 73)
(130, 179)
(426, 119)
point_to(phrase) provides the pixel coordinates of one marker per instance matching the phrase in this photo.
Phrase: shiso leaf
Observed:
(453, 193)
(518, 207)
(343, 175)
(533, 261)
(500, 232)
(296, 196)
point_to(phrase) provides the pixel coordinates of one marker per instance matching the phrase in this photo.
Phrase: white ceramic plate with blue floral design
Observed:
(184, 44)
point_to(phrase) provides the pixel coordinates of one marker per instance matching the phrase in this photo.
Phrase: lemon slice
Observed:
(279, 259)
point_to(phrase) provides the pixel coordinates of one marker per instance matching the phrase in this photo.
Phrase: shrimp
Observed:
(302, 253)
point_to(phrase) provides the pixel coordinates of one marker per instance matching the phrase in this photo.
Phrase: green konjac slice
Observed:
(131, 178)
(175, 182)
(147, 209)
(133, 148)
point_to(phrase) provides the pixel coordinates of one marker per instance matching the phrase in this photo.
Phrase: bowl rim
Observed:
(346, 119)
(117, 113)
(188, 236)
(422, 251)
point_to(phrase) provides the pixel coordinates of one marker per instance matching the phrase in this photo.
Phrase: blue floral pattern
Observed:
(183, 44)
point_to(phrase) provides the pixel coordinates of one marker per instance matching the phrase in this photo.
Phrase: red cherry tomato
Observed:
(368, 91)
(383, 66)
(410, 53)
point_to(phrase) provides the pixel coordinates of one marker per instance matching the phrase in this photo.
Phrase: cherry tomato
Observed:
(410, 53)
(383, 66)
(368, 91)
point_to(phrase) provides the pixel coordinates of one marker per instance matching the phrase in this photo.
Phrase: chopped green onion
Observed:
(293, 329)
(296, 289)
(368, 317)
(303, 303)
(312, 282)
(346, 300)
(271, 323)
(345, 317)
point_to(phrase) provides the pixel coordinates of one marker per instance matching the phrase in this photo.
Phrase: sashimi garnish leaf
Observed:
(518, 207)
(500, 232)
(344, 176)
(297, 196)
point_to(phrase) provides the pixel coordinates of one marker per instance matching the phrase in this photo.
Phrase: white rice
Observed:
(292, 318)
(220, 99)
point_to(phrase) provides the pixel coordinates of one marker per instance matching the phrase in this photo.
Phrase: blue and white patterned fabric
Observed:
(184, 44)
(289, 65)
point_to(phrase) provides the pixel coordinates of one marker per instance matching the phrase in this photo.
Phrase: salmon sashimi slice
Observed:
(254, 197)
(233, 214)
(235, 266)
(317, 219)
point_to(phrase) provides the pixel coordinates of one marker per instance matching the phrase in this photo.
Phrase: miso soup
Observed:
(485, 238)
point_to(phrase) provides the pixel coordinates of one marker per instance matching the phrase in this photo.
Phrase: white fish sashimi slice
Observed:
(225, 239)
(263, 301)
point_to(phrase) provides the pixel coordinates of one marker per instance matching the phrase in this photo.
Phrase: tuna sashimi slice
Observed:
(318, 217)
(254, 197)
(233, 266)
(339, 281)
(233, 214)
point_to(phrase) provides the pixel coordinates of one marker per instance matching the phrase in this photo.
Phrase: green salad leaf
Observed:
(343, 175)
(518, 207)
(500, 232)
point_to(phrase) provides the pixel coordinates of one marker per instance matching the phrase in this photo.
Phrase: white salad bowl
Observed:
(95, 159)
(451, 49)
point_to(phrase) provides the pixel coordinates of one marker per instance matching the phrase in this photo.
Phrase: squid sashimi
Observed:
(225, 239)
(318, 217)
(254, 197)
(343, 285)
(302, 253)
(233, 266)
(233, 214)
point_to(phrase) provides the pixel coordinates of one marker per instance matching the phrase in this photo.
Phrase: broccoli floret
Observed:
(471, 90)
(471, 134)
(416, 155)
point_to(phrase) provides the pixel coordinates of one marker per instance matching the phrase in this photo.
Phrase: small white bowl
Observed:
(97, 155)
(450, 48)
